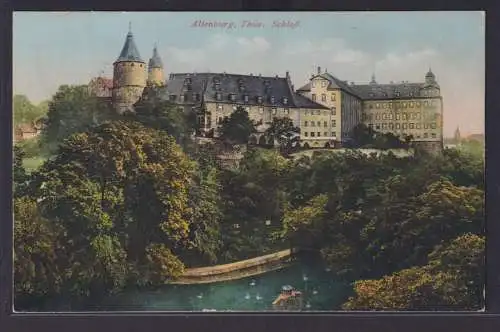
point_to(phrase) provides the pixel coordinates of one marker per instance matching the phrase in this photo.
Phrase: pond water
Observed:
(321, 291)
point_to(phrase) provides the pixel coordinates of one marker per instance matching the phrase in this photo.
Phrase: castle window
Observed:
(314, 97)
(384, 126)
(391, 126)
(140, 65)
(377, 105)
(405, 116)
(333, 97)
(261, 110)
(325, 124)
(274, 111)
(219, 120)
(377, 126)
(334, 111)
(306, 123)
(132, 64)
(323, 97)
(398, 125)
(172, 97)
(195, 96)
(285, 100)
(433, 135)
(405, 125)
(334, 123)
(377, 116)
(319, 134)
(418, 126)
(312, 124)
(286, 111)
(396, 93)
(323, 84)
(398, 116)
(385, 105)
(318, 112)
(390, 105)
(312, 133)
(426, 126)
(412, 126)
(306, 134)
(334, 134)
(325, 134)
(219, 107)
(426, 135)
(313, 84)
(433, 125)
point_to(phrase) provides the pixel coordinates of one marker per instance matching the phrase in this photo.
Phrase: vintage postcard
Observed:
(248, 161)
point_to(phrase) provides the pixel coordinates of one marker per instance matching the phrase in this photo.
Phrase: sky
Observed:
(51, 49)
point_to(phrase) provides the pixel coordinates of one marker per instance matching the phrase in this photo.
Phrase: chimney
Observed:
(287, 74)
(319, 70)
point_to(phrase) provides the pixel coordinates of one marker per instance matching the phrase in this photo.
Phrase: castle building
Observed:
(326, 109)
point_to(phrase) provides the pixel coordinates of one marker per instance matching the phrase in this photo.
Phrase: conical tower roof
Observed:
(129, 51)
(155, 61)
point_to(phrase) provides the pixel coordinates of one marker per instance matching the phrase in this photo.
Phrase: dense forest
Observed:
(131, 201)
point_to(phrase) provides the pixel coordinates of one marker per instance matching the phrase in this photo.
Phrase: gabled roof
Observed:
(334, 83)
(129, 51)
(389, 91)
(155, 61)
(209, 85)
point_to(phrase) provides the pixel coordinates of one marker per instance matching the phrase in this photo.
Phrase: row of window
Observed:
(274, 110)
(318, 123)
(323, 97)
(333, 111)
(398, 116)
(403, 126)
(323, 83)
(411, 104)
(318, 134)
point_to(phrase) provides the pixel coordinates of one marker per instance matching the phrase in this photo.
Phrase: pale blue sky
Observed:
(51, 49)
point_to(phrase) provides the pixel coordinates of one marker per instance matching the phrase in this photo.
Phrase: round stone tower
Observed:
(129, 76)
(155, 69)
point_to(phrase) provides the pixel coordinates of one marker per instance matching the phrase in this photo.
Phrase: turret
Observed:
(430, 78)
(129, 75)
(155, 69)
(373, 81)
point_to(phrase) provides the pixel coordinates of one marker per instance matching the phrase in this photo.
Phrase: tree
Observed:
(39, 260)
(237, 128)
(72, 110)
(164, 115)
(285, 132)
(25, 111)
(124, 204)
(19, 172)
(453, 279)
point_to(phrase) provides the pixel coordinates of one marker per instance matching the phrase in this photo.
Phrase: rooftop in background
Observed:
(235, 88)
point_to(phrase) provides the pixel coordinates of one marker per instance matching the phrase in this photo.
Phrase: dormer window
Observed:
(232, 96)
(242, 88)
(187, 81)
(396, 93)
(272, 99)
(182, 98)
(218, 96)
(172, 97)
(195, 96)
(285, 100)
(245, 98)
(259, 99)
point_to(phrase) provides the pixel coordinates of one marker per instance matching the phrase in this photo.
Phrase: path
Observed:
(236, 270)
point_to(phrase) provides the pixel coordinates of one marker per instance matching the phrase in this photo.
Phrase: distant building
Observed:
(27, 131)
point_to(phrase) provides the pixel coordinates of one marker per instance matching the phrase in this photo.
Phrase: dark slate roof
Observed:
(373, 90)
(205, 84)
(155, 61)
(388, 91)
(129, 51)
(303, 102)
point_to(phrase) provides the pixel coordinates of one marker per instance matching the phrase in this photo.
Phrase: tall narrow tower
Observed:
(129, 76)
(155, 69)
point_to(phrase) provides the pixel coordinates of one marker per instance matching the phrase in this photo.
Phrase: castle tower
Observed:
(129, 76)
(155, 69)
(430, 78)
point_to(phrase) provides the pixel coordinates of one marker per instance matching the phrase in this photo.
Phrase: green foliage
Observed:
(253, 195)
(25, 112)
(453, 279)
(38, 254)
(282, 129)
(166, 116)
(73, 110)
(117, 190)
(366, 137)
(237, 128)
